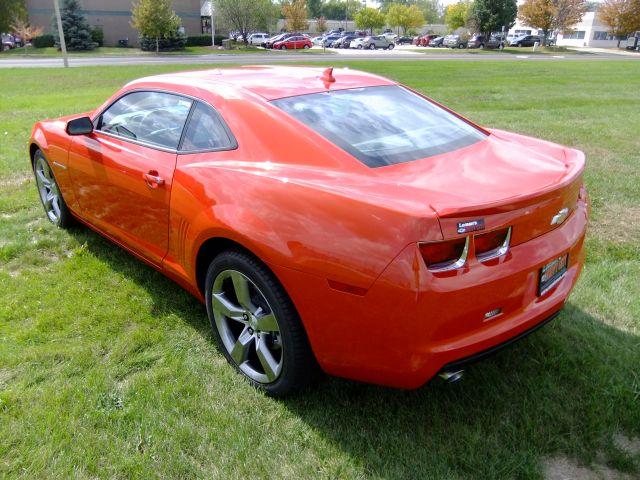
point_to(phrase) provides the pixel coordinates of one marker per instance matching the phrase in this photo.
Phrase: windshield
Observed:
(382, 125)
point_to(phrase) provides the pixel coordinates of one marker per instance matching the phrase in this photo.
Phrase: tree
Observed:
(295, 13)
(369, 18)
(25, 32)
(404, 16)
(491, 15)
(154, 19)
(11, 11)
(457, 15)
(322, 24)
(621, 16)
(549, 15)
(77, 32)
(431, 10)
(246, 16)
(314, 8)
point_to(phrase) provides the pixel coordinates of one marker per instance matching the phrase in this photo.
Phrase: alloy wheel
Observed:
(48, 189)
(248, 326)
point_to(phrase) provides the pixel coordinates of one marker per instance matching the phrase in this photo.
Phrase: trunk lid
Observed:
(505, 180)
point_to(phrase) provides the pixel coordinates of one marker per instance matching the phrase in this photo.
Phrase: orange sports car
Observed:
(330, 219)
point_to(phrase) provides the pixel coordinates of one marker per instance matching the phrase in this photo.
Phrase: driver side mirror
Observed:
(80, 126)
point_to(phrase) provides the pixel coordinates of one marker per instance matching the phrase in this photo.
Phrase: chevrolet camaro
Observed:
(322, 230)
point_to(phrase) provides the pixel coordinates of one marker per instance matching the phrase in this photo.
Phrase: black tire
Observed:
(283, 47)
(306, 47)
(64, 219)
(390, 47)
(372, 46)
(299, 367)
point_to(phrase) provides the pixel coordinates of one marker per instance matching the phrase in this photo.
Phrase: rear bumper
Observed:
(412, 323)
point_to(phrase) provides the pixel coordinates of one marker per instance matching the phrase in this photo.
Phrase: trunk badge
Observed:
(560, 217)
(471, 226)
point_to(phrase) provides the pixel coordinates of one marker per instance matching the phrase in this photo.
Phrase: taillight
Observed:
(447, 255)
(492, 244)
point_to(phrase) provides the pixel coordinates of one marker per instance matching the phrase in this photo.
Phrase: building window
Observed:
(575, 35)
(600, 36)
(205, 24)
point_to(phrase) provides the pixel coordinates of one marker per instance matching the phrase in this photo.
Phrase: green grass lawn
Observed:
(117, 52)
(109, 370)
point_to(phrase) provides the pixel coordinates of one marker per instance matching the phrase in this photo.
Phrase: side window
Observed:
(151, 117)
(206, 131)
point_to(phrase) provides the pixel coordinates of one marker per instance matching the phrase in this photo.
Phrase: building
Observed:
(590, 32)
(114, 17)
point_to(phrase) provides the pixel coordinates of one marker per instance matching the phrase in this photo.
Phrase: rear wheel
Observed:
(359, 47)
(306, 47)
(390, 47)
(283, 47)
(54, 205)
(256, 325)
(372, 47)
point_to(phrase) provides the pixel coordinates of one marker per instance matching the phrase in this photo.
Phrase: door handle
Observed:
(152, 179)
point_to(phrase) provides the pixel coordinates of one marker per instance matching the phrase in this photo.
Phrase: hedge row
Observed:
(203, 40)
(43, 41)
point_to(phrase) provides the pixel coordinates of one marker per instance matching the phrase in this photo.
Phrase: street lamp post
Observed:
(213, 26)
(63, 44)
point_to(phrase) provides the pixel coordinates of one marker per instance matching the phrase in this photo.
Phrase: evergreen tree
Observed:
(491, 15)
(77, 32)
(314, 8)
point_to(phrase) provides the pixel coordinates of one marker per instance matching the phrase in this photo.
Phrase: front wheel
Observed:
(372, 47)
(256, 325)
(359, 47)
(390, 47)
(54, 205)
(306, 47)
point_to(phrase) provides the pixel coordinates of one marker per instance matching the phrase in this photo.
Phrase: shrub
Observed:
(176, 42)
(203, 40)
(43, 41)
(97, 36)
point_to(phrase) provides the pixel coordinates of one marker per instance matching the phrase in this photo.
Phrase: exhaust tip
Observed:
(452, 377)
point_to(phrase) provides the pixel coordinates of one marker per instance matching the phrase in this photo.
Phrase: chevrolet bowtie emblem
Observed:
(560, 217)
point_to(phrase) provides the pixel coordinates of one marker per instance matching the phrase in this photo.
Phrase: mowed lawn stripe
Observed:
(108, 369)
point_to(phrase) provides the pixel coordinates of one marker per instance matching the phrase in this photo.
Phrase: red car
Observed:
(293, 43)
(424, 40)
(373, 248)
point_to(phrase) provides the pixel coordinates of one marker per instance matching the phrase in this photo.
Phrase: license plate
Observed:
(552, 272)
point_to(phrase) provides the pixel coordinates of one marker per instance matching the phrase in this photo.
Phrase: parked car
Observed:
(404, 40)
(277, 38)
(389, 35)
(357, 43)
(345, 42)
(524, 41)
(476, 41)
(496, 41)
(258, 38)
(329, 39)
(317, 40)
(633, 41)
(297, 42)
(377, 41)
(364, 244)
(8, 41)
(436, 42)
(454, 41)
(424, 40)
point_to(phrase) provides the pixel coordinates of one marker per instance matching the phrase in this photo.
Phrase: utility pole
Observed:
(213, 26)
(63, 45)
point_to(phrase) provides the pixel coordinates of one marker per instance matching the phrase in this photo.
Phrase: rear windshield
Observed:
(381, 125)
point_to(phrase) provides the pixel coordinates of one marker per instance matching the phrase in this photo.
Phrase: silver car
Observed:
(377, 41)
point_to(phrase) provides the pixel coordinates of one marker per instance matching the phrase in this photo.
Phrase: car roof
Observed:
(270, 82)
